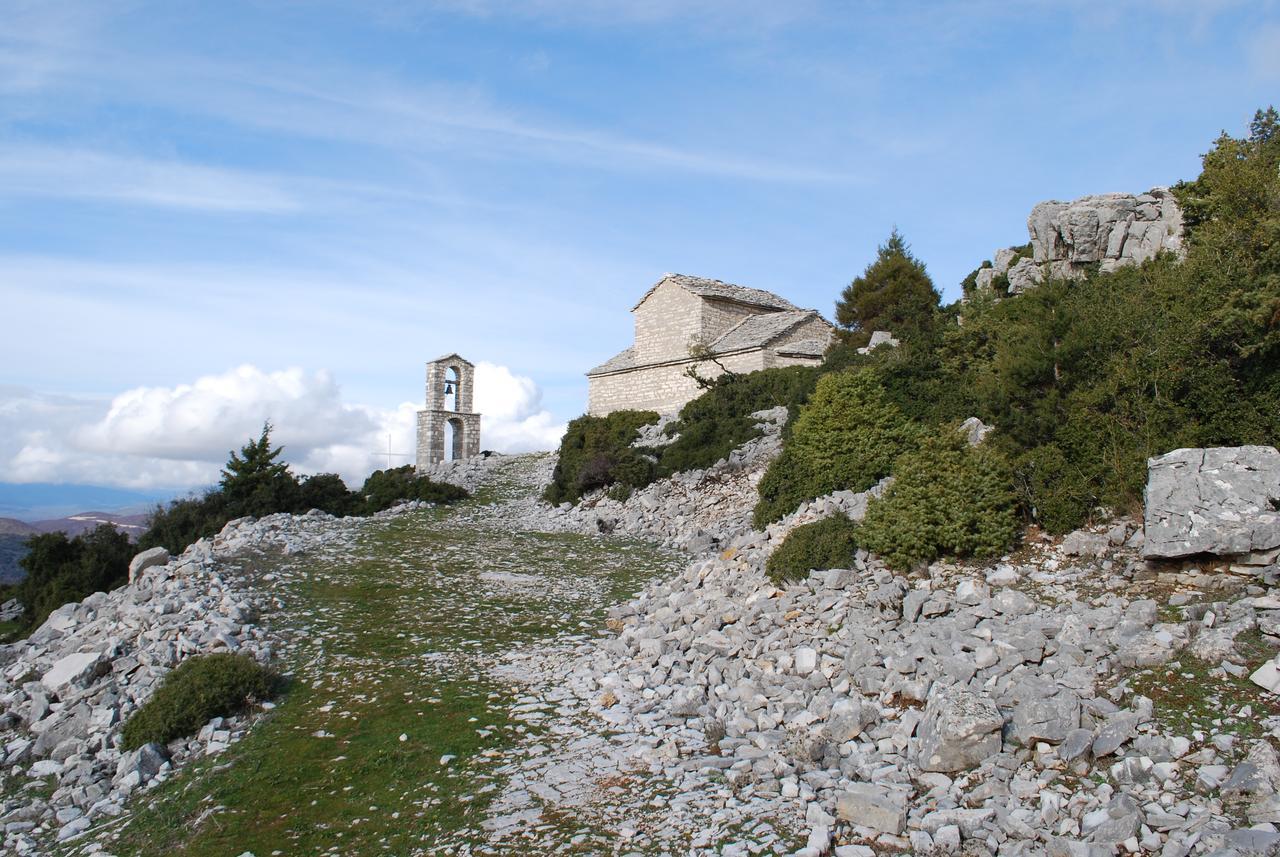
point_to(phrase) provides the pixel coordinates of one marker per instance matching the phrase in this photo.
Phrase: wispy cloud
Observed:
(46, 171)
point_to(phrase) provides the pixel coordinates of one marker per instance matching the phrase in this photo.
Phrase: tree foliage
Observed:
(61, 570)
(894, 293)
(596, 452)
(846, 438)
(946, 498)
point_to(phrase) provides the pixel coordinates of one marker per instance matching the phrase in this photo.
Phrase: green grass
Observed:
(392, 636)
(1187, 697)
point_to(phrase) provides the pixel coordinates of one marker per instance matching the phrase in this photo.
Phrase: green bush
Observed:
(384, 488)
(846, 437)
(255, 483)
(62, 570)
(719, 421)
(196, 691)
(946, 498)
(1053, 491)
(828, 543)
(596, 452)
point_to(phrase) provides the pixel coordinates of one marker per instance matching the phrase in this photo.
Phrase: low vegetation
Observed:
(828, 543)
(719, 421)
(62, 570)
(947, 498)
(256, 484)
(847, 437)
(596, 452)
(197, 690)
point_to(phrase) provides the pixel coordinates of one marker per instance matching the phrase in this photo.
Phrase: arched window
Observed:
(452, 388)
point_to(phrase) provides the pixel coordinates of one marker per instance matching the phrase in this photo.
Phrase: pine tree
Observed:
(255, 483)
(894, 293)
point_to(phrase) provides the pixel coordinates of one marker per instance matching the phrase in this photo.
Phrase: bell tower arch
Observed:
(448, 414)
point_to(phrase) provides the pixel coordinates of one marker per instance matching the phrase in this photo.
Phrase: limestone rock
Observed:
(148, 558)
(960, 730)
(73, 669)
(1220, 500)
(874, 806)
(1024, 276)
(975, 430)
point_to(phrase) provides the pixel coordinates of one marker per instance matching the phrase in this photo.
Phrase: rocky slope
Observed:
(1072, 698)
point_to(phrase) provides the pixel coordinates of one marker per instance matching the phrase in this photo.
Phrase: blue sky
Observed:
(215, 213)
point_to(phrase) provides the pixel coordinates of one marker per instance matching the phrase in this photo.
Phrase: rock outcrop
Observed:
(1220, 500)
(1110, 230)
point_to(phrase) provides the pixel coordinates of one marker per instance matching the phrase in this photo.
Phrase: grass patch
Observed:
(1192, 696)
(392, 636)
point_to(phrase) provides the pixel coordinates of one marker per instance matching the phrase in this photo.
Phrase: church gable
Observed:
(747, 329)
(668, 319)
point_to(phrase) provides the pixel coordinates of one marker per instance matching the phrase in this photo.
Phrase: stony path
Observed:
(394, 734)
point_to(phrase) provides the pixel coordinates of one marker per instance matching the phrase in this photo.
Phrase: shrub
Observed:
(828, 543)
(327, 491)
(62, 570)
(596, 452)
(186, 521)
(846, 437)
(719, 421)
(946, 498)
(384, 488)
(1052, 490)
(196, 691)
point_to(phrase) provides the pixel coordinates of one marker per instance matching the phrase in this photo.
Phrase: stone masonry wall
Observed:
(666, 323)
(816, 328)
(719, 316)
(664, 389)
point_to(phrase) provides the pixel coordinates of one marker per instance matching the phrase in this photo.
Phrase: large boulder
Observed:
(148, 558)
(960, 729)
(1220, 500)
(75, 670)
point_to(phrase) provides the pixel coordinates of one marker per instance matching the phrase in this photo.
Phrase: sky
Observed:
(215, 214)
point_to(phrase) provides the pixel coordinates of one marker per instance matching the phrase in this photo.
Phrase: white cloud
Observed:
(84, 174)
(512, 418)
(178, 437)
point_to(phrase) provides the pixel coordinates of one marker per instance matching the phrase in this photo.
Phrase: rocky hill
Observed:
(1080, 696)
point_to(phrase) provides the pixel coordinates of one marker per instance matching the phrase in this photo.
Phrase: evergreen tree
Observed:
(255, 483)
(894, 293)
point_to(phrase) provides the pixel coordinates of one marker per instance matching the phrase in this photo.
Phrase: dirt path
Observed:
(392, 736)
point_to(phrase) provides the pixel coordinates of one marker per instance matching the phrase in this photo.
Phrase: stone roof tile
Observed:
(618, 362)
(756, 331)
(707, 288)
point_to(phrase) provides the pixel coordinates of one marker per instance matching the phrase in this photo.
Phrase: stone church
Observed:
(743, 329)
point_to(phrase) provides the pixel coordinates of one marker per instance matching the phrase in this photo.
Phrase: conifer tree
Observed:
(254, 482)
(894, 293)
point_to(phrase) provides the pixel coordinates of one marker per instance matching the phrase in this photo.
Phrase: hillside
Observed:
(1007, 583)
(459, 667)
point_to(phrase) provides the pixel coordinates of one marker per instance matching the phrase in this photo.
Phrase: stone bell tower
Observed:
(450, 391)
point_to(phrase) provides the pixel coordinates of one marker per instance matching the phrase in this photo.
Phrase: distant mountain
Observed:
(40, 501)
(73, 525)
(14, 527)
